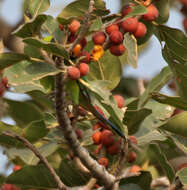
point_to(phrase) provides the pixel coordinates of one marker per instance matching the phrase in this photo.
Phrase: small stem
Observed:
(58, 181)
(101, 70)
(45, 55)
(141, 87)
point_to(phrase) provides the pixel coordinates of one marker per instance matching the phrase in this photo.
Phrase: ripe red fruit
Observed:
(73, 73)
(83, 42)
(5, 81)
(182, 166)
(99, 38)
(133, 139)
(74, 26)
(16, 168)
(111, 28)
(96, 126)
(96, 137)
(131, 157)
(126, 9)
(86, 57)
(8, 187)
(103, 161)
(130, 25)
(99, 110)
(84, 69)
(116, 37)
(140, 31)
(61, 27)
(117, 50)
(185, 23)
(114, 148)
(135, 169)
(107, 138)
(119, 100)
(152, 13)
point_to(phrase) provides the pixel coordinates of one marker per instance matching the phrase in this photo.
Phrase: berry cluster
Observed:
(184, 11)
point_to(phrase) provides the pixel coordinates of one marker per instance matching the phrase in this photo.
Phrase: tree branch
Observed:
(58, 181)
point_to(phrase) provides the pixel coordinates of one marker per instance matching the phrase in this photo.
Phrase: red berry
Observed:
(152, 13)
(131, 157)
(130, 25)
(7, 187)
(73, 73)
(141, 30)
(74, 26)
(99, 38)
(96, 137)
(84, 69)
(114, 148)
(103, 161)
(182, 166)
(119, 100)
(133, 139)
(96, 126)
(116, 37)
(61, 27)
(111, 28)
(71, 38)
(83, 42)
(126, 9)
(5, 81)
(135, 169)
(16, 167)
(117, 50)
(107, 138)
(86, 57)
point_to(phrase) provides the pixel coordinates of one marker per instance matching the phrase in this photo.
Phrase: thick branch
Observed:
(98, 171)
(58, 181)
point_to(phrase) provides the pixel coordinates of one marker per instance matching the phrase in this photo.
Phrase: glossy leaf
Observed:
(8, 59)
(32, 177)
(108, 68)
(175, 101)
(182, 174)
(36, 7)
(26, 72)
(164, 163)
(24, 112)
(31, 28)
(155, 85)
(177, 124)
(53, 48)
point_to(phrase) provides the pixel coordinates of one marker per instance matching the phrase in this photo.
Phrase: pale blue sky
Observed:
(149, 63)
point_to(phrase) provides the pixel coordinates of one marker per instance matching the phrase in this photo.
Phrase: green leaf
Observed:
(132, 52)
(26, 72)
(96, 25)
(182, 174)
(143, 180)
(175, 101)
(73, 91)
(137, 11)
(35, 131)
(32, 177)
(31, 28)
(150, 137)
(163, 8)
(70, 175)
(129, 186)
(8, 59)
(50, 47)
(155, 85)
(28, 157)
(133, 118)
(24, 112)
(32, 51)
(177, 124)
(52, 27)
(36, 7)
(79, 8)
(160, 156)
(108, 68)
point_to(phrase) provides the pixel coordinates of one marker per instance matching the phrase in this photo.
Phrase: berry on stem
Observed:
(133, 139)
(135, 169)
(130, 25)
(131, 157)
(16, 168)
(103, 161)
(117, 50)
(77, 50)
(86, 57)
(107, 138)
(126, 9)
(152, 13)
(99, 38)
(96, 137)
(74, 26)
(61, 27)
(111, 28)
(73, 73)
(119, 100)
(114, 148)
(140, 31)
(116, 37)
(84, 69)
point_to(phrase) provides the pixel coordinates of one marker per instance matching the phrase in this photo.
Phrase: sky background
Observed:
(149, 63)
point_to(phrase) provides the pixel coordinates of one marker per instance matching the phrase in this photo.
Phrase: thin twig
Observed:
(141, 87)
(58, 181)
(101, 70)
(90, 184)
(45, 55)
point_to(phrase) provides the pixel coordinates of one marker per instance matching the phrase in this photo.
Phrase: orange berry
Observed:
(99, 38)
(96, 137)
(135, 169)
(116, 37)
(103, 161)
(133, 139)
(114, 148)
(74, 26)
(152, 13)
(111, 28)
(117, 50)
(107, 138)
(16, 168)
(131, 157)
(77, 50)
(84, 69)
(141, 30)
(119, 100)
(130, 25)
(73, 73)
